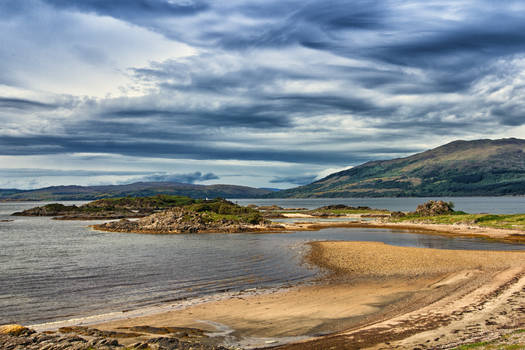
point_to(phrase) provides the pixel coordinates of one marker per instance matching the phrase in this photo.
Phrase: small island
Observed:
(110, 208)
(199, 216)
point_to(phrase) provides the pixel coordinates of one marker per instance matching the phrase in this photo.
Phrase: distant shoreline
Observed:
(270, 199)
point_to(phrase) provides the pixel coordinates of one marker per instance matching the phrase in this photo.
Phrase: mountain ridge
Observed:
(137, 189)
(459, 168)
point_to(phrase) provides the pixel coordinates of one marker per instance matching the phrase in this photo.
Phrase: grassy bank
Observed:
(499, 221)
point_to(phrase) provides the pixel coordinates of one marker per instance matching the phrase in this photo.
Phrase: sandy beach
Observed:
(375, 295)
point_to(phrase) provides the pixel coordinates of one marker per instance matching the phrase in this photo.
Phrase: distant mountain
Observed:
(139, 189)
(272, 189)
(460, 168)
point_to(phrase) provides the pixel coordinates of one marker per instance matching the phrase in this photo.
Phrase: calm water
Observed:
(495, 205)
(52, 270)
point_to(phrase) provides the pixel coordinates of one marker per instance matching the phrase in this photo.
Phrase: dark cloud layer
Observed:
(23, 104)
(133, 9)
(182, 150)
(182, 178)
(36, 172)
(317, 83)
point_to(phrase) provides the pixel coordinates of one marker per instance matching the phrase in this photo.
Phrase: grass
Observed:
(472, 346)
(505, 342)
(503, 221)
(217, 210)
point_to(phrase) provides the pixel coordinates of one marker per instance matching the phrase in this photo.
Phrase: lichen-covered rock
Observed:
(16, 337)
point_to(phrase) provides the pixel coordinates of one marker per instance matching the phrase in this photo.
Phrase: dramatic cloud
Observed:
(250, 92)
(184, 178)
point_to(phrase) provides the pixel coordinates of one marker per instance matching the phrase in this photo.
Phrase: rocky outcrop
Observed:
(83, 212)
(432, 208)
(16, 337)
(54, 209)
(182, 220)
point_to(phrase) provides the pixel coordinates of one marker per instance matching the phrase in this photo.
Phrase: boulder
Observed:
(433, 208)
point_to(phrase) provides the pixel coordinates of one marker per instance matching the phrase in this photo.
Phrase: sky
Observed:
(262, 93)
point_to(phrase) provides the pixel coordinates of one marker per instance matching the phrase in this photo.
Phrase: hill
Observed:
(459, 168)
(139, 189)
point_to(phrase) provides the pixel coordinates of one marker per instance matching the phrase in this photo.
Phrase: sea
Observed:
(52, 270)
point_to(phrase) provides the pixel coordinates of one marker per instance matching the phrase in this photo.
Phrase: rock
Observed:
(27, 339)
(15, 330)
(168, 343)
(52, 209)
(93, 332)
(432, 208)
(270, 207)
(73, 339)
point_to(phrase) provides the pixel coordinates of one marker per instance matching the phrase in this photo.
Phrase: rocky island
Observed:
(110, 208)
(218, 215)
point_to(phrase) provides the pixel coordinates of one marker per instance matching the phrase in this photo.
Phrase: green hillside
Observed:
(460, 168)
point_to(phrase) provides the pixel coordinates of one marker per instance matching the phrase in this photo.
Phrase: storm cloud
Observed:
(255, 92)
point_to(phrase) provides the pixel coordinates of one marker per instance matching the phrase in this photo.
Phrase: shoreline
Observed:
(161, 307)
(370, 284)
(448, 230)
(374, 295)
(356, 221)
(467, 231)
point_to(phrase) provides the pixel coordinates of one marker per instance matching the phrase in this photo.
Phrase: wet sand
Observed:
(374, 294)
(285, 316)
